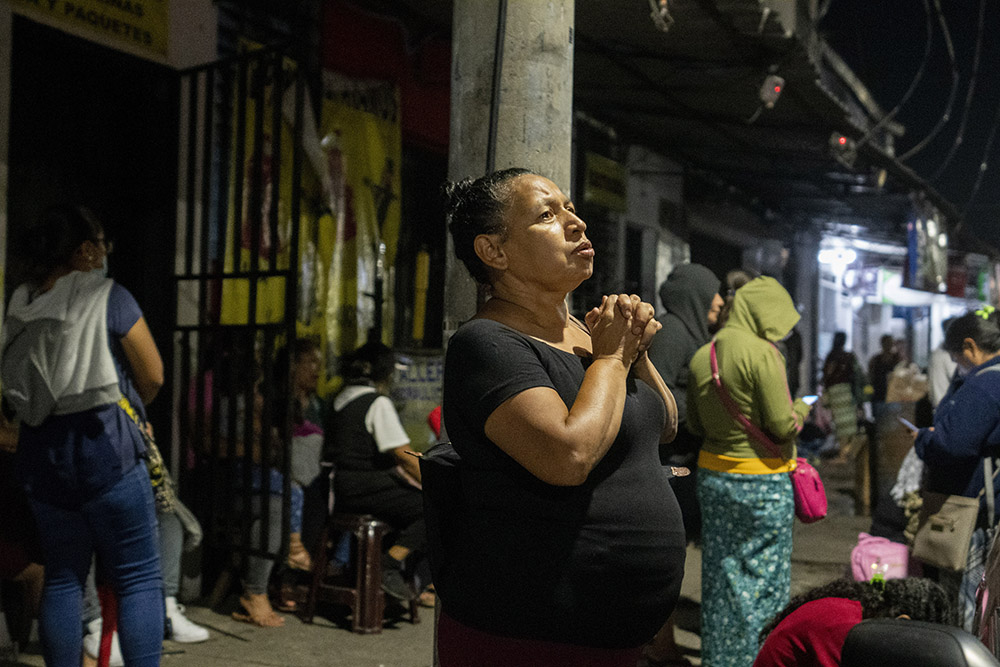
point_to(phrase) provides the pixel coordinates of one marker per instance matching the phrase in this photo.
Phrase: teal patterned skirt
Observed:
(746, 563)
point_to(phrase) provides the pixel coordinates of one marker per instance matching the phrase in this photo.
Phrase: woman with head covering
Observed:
(568, 547)
(747, 535)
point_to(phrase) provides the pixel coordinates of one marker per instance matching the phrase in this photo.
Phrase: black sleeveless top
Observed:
(599, 564)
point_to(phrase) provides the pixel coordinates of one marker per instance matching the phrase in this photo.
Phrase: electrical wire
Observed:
(929, 31)
(491, 138)
(951, 95)
(984, 163)
(968, 95)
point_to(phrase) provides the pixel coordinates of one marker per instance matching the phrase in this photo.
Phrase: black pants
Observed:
(388, 498)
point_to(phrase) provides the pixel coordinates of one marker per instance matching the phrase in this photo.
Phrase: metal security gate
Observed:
(240, 166)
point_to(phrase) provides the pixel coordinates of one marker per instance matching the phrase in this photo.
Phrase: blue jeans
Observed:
(120, 526)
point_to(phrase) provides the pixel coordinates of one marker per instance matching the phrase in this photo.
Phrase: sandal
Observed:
(298, 555)
(258, 611)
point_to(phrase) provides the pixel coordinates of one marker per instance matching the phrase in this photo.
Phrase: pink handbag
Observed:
(879, 555)
(810, 496)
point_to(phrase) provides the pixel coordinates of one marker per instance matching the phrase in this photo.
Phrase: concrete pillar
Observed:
(804, 252)
(534, 122)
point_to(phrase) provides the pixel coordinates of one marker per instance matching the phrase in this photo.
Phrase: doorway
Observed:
(90, 125)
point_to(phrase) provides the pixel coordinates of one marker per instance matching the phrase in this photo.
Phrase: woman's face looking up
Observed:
(546, 242)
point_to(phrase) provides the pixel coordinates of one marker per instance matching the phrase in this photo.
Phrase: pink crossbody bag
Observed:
(810, 496)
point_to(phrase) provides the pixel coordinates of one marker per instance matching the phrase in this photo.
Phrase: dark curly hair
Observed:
(474, 207)
(982, 326)
(920, 599)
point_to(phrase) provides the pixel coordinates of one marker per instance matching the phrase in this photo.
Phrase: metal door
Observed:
(240, 165)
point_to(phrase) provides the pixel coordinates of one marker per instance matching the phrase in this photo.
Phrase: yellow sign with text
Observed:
(136, 23)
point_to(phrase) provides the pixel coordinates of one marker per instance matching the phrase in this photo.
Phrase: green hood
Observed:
(765, 308)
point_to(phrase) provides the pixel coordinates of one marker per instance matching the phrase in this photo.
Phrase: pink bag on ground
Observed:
(879, 555)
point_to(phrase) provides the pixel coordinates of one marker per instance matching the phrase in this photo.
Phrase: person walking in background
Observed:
(843, 384)
(811, 630)
(880, 368)
(743, 488)
(566, 546)
(940, 370)
(75, 349)
(691, 298)
(966, 429)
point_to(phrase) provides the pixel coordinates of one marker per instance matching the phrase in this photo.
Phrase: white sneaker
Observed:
(181, 629)
(92, 644)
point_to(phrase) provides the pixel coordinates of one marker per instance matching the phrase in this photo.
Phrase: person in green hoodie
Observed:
(743, 487)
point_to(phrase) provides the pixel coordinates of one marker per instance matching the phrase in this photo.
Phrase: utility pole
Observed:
(511, 105)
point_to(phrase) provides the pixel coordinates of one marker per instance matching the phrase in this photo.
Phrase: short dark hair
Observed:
(55, 236)
(372, 361)
(982, 326)
(474, 207)
(919, 598)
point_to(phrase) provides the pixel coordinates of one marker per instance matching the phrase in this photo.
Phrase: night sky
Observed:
(884, 42)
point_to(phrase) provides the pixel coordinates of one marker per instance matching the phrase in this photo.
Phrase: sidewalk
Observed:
(821, 553)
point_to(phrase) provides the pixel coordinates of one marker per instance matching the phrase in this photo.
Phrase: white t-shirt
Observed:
(940, 370)
(381, 420)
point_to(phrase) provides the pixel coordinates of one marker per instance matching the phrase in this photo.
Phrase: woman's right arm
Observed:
(963, 431)
(144, 360)
(782, 417)
(561, 446)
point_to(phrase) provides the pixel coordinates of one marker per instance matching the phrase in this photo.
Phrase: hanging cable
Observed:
(929, 31)
(951, 95)
(984, 163)
(968, 95)
(491, 138)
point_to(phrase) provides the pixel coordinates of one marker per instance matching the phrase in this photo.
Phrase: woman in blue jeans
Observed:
(75, 349)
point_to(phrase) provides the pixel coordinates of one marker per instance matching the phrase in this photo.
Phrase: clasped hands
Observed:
(622, 327)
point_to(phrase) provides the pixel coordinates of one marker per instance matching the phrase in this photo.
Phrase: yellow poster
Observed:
(138, 24)
(363, 146)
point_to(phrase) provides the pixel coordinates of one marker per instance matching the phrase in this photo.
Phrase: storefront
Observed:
(865, 292)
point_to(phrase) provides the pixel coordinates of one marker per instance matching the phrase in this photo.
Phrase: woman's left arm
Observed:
(144, 360)
(646, 371)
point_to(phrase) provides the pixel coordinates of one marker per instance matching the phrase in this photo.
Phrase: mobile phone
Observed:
(809, 400)
(908, 424)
